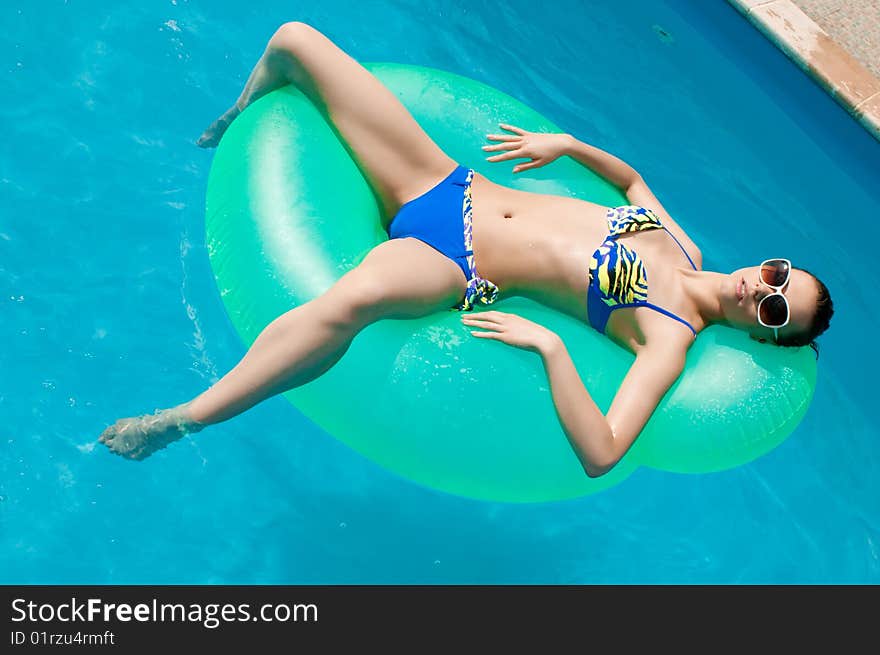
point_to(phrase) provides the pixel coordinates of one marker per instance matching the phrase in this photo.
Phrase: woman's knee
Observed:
(356, 301)
(289, 37)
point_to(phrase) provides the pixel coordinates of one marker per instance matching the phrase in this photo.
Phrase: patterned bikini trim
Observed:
(478, 288)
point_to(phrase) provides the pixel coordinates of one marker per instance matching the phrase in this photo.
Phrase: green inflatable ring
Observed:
(289, 212)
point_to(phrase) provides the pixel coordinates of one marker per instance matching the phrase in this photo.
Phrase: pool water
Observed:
(108, 306)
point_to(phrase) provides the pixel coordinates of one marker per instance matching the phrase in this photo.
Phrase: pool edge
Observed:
(852, 85)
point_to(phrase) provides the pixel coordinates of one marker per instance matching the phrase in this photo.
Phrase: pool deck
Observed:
(836, 42)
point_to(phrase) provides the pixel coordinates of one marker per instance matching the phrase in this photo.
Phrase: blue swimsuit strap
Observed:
(680, 246)
(694, 266)
(659, 309)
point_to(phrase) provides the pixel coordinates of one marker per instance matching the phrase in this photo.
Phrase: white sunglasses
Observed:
(773, 310)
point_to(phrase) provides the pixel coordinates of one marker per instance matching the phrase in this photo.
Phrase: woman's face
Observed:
(743, 289)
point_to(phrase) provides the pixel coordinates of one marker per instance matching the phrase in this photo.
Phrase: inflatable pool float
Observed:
(289, 212)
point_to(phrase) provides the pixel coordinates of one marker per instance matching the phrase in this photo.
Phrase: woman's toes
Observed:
(109, 433)
(204, 142)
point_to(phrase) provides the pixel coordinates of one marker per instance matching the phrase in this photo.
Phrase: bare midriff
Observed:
(536, 245)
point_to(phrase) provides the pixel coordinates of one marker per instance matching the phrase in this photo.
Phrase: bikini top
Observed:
(618, 277)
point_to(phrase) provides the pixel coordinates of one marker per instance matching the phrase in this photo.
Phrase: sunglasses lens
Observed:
(773, 310)
(775, 272)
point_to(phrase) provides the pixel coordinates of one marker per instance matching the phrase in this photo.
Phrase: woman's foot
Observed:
(211, 137)
(138, 438)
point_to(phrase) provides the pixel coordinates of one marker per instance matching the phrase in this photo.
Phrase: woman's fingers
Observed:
(479, 323)
(486, 335)
(503, 137)
(491, 314)
(483, 324)
(494, 322)
(513, 154)
(512, 128)
(524, 167)
(507, 145)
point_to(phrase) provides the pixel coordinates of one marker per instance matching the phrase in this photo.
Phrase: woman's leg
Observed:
(397, 157)
(305, 342)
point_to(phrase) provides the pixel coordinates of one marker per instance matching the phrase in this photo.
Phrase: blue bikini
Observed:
(427, 218)
(618, 277)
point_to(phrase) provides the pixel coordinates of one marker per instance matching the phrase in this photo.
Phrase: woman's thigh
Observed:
(396, 155)
(399, 278)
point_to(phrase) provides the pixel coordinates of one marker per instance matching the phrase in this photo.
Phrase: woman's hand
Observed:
(513, 330)
(540, 147)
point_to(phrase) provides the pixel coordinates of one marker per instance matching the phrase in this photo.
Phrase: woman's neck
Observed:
(703, 288)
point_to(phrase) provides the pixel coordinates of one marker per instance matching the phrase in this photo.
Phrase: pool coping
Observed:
(847, 81)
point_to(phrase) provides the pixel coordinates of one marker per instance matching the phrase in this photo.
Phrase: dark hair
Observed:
(821, 319)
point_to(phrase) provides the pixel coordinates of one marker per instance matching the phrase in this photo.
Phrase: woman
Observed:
(543, 247)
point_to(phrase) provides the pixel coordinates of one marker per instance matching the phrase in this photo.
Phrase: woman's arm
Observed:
(638, 193)
(615, 170)
(541, 148)
(628, 180)
(600, 441)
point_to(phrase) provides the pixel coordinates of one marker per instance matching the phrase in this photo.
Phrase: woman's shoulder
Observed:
(640, 195)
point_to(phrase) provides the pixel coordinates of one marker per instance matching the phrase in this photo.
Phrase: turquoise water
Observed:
(109, 308)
